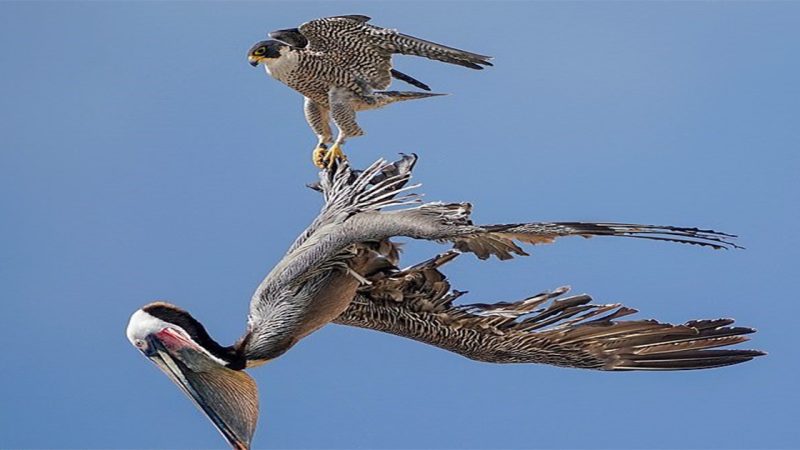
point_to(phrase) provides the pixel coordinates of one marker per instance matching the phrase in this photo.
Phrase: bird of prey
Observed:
(344, 269)
(342, 65)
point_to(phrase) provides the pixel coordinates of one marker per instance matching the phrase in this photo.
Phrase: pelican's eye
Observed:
(140, 344)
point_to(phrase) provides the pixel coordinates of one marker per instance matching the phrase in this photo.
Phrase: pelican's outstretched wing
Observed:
(548, 328)
(315, 281)
(499, 240)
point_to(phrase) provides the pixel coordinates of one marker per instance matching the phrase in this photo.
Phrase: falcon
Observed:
(344, 269)
(342, 65)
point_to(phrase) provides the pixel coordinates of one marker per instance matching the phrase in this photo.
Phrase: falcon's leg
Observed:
(318, 118)
(344, 116)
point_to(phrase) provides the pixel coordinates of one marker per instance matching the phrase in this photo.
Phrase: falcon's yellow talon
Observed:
(334, 154)
(318, 156)
(325, 158)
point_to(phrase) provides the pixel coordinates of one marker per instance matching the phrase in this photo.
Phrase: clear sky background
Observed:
(142, 158)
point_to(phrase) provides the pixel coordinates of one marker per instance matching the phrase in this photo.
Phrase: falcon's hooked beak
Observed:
(254, 60)
(228, 397)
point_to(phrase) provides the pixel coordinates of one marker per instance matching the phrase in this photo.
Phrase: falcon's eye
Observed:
(260, 51)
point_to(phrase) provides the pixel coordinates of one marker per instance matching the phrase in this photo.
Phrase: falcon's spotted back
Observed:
(342, 65)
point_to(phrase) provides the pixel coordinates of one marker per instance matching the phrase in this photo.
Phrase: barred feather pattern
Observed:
(294, 38)
(342, 65)
(347, 52)
(548, 328)
(367, 49)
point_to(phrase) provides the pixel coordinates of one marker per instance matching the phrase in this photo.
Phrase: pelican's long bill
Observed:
(228, 397)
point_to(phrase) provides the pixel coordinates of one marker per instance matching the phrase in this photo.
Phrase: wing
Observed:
(369, 48)
(397, 173)
(409, 79)
(294, 38)
(499, 240)
(549, 328)
(353, 32)
(325, 41)
(306, 289)
(311, 285)
(290, 36)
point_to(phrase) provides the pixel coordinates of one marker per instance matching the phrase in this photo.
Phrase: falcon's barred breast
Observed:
(342, 65)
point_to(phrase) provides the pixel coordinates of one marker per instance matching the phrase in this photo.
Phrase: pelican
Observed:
(344, 269)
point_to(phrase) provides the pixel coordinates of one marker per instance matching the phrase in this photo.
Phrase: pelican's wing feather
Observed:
(549, 327)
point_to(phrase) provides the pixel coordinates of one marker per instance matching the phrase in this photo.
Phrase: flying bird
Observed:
(344, 269)
(342, 65)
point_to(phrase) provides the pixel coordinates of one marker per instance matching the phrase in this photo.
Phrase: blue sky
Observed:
(142, 158)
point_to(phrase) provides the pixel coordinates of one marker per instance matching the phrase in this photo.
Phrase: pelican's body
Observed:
(343, 268)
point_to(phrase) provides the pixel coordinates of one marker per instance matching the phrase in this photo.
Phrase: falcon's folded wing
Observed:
(294, 38)
(353, 33)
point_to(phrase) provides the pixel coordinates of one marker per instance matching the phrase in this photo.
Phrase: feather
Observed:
(549, 328)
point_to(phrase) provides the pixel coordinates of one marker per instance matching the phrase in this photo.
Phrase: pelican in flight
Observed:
(344, 269)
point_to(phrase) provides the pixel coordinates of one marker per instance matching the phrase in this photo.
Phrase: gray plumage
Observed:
(342, 65)
(335, 261)
(313, 283)
(344, 269)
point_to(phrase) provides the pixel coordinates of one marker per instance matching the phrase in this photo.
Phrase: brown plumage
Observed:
(343, 268)
(550, 327)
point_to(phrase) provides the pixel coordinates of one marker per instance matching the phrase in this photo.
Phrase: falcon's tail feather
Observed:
(387, 97)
